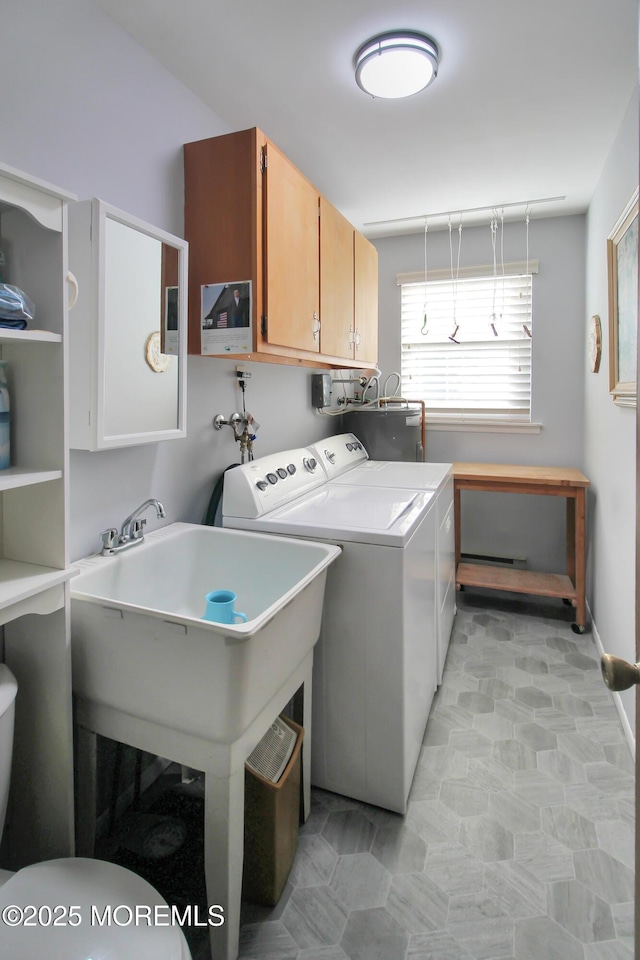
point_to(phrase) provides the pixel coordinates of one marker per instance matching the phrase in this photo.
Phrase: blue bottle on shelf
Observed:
(5, 426)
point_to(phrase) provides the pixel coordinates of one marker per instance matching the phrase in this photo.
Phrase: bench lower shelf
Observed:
(515, 581)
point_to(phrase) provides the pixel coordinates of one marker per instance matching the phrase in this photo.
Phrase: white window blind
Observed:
(487, 372)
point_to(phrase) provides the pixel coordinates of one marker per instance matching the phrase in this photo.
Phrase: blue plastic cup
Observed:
(219, 607)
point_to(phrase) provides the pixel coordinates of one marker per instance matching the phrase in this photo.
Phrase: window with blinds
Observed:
(466, 346)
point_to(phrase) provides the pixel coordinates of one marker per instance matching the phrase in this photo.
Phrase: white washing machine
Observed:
(345, 460)
(374, 671)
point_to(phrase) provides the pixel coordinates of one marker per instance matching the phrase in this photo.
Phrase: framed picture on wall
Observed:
(622, 261)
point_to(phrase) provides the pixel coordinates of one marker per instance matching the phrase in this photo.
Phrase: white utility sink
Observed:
(140, 645)
(148, 671)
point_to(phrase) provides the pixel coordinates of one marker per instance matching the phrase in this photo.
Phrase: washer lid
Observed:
(414, 475)
(381, 515)
(93, 888)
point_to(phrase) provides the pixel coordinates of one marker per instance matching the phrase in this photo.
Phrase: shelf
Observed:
(27, 581)
(34, 494)
(20, 477)
(26, 336)
(515, 581)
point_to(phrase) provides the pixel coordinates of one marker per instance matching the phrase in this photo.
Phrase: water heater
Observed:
(390, 434)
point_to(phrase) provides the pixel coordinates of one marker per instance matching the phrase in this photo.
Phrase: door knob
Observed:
(617, 673)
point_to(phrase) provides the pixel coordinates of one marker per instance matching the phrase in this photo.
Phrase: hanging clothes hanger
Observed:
(456, 326)
(527, 329)
(424, 330)
(493, 226)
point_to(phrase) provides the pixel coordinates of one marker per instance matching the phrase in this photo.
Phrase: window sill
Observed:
(481, 426)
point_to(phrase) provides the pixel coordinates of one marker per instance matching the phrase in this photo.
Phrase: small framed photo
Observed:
(622, 263)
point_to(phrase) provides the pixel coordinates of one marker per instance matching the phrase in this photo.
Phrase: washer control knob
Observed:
(271, 477)
(282, 473)
(262, 484)
(310, 463)
(331, 457)
(291, 469)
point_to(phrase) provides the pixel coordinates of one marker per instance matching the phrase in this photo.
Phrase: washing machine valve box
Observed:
(320, 389)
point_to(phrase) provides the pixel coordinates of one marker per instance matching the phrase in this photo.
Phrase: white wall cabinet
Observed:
(127, 330)
(34, 572)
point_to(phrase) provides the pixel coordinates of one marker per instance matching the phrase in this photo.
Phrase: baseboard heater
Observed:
(516, 563)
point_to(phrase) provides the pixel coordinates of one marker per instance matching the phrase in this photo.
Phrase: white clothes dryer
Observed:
(345, 460)
(374, 671)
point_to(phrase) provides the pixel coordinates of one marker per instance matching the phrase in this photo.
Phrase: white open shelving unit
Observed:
(34, 562)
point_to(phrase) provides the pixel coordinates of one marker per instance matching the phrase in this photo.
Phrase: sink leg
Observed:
(306, 743)
(223, 857)
(86, 800)
(302, 715)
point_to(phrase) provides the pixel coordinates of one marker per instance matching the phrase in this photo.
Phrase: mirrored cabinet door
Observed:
(128, 330)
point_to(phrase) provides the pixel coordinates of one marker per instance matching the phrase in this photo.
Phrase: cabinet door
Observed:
(291, 255)
(366, 300)
(123, 390)
(336, 282)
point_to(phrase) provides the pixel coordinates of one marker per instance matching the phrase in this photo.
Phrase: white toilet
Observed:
(36, 915)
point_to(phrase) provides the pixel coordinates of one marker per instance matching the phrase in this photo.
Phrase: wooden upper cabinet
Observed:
(291, 255)
(250, 215)
(366, 300)
(336, 282)
(222, 214)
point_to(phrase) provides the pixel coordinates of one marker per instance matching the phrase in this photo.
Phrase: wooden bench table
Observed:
(548, 481)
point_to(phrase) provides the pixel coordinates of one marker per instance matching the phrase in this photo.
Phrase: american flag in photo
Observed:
(222, 318)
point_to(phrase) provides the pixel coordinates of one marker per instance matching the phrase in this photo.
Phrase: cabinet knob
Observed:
(316, 326)
(73, 293)
(358, 339)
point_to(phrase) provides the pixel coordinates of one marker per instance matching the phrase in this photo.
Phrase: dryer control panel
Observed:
(339, 454)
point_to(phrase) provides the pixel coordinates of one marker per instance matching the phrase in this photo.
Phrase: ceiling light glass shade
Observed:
(395, 65)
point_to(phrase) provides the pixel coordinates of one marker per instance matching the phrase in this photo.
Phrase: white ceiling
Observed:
(528, 100)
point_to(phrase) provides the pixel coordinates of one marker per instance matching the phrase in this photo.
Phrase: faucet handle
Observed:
(109, 538)
(136, 528)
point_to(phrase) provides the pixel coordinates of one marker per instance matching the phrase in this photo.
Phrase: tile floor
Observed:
(518, 841)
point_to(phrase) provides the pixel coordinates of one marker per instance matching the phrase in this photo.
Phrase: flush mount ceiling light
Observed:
(396, 64)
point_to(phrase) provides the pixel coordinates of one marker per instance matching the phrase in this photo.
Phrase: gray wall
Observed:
(85, 108)
(507, 525)
(610, 431)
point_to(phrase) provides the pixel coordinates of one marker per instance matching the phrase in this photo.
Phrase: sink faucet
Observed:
(131, 532)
